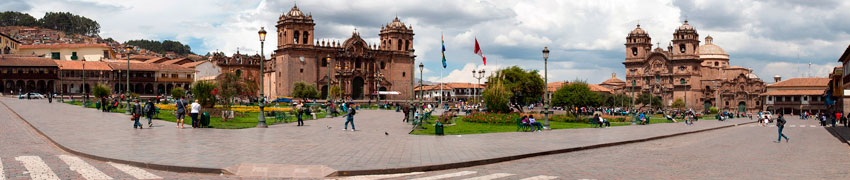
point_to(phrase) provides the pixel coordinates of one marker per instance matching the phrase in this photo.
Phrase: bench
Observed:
(280, 116)
(524, 127)
(594, 122)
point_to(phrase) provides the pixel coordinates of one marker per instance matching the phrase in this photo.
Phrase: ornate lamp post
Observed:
(422, 95)
(85, 94)
(378, 78)
(475, 91)
(546, 90)
(127, 91)
(412, 75)
(328, 94)
(261, 123)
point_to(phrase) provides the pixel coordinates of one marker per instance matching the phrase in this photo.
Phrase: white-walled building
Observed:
(69, 52)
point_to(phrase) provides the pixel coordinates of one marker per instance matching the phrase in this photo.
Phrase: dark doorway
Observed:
(707, 105)
(324, 92)
(357, 88)
(383, 97)
(742, 107)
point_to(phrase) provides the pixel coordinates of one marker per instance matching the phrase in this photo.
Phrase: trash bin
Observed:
(97, 105)
(205, 119)
(438, 127)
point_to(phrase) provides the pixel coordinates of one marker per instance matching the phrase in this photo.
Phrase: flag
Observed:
(443, 43)
(479, 52)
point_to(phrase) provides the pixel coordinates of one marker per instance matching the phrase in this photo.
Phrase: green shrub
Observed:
(101, 90)
(497, 97)
(713, 110)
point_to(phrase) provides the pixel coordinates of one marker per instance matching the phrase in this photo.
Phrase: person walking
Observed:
(780, 123)
(136, 114)
(196, 108)
(300, 109)
(406, 110)
(350, 116)
(149, 110)
(180, 112)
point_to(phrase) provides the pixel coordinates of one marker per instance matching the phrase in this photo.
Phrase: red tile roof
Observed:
(26, 61)
(156, 60)
(133, 66)
(802, 82)
(178, 61)
(49, 46)
(193, 64)
(794, 92)
(78, 65)
(173, 68)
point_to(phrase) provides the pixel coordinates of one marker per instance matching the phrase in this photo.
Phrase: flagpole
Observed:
(441, 86)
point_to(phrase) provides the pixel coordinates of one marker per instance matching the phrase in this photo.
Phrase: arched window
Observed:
(306, 39)
(716, 64)
(399, 45)
(406, 44)
(682, 81)
(403, 74)
(295, 37)
(682, 48)
(634, 51)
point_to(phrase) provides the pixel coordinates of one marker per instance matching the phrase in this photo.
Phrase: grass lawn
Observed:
(247, 120)
(462, 127)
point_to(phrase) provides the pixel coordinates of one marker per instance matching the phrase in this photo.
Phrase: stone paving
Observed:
(742, 152)
(314, 149)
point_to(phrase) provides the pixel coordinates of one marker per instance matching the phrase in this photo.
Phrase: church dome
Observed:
(638, 31)
(686, 26)
(709, 50)
(396, 23)
(294, 12)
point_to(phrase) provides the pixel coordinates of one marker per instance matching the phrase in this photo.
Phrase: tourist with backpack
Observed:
(780, 123)
(350, 116)
(149, 110)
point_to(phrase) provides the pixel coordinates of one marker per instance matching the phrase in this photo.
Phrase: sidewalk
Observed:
(315, 150)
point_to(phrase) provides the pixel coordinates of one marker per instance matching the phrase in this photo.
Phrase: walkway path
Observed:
(315, 150)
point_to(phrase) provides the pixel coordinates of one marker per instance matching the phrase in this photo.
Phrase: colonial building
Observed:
(699, 74)
(246, 67)
(8, 45)
(796, 95)
(23, 74)
(845, 80)
(356, 66)
(71, 52)
(451, 91)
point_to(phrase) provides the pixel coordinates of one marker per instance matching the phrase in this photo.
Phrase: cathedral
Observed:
(700, 75)
(360, 69)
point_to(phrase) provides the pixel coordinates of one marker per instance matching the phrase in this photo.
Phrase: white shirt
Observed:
(531, 120)
(196, 108)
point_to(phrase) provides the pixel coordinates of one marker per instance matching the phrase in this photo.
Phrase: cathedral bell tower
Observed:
(685, 42)
(638, 45)
(295, 28)
(396, 37)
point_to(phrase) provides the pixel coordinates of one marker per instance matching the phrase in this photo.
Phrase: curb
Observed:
(178, 169)
(843, 139)
(510, 158)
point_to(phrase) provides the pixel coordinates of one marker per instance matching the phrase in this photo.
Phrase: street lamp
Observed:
(686, 93)
(127, 91)
(422, 95)
(475, 91)
(546, 91)
(261, 123)
(378, 78)
(328, 93)
(85, 94)
(412, 75)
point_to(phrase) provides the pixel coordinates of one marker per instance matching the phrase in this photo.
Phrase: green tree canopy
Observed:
(203, 92)
(178, 92)
(101, 90)
(497, 97)
(69, 23)
(304, 91)
(13, 18)
(336, 92)
(526, 86)
(575, 94)
(645, 100)
(615, 100)
(678, 103)
(162, 47)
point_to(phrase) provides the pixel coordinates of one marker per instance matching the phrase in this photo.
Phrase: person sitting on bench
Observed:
(603, 121)
(534, 124)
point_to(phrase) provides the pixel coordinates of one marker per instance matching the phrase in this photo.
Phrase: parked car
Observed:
(33, 95)
(282, 100)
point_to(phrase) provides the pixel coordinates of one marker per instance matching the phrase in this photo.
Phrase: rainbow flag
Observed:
(443, 43)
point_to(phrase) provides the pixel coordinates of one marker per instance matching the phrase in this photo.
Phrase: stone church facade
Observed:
(698, 74)
(359, 68)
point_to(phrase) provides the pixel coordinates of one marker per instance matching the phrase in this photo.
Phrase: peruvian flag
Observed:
(479, 52)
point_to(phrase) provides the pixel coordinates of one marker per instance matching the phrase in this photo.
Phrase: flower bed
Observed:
(241, 109)
(498, 118)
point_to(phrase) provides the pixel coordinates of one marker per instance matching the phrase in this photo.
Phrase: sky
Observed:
(585, 37)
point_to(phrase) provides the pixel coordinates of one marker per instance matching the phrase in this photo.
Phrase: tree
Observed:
(229, 87)
(678, 103)
(575, 94)
(497, 97)
(526, 86)
(335, 92)
(13, 18)
(304, 91)
(69, 23)
(162, 47)
(203, 92)
(645, 100)
(101, 90)
(178, 92)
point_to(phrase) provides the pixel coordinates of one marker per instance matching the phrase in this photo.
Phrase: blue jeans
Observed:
(136, 122)
(350, 119)
(781, 135)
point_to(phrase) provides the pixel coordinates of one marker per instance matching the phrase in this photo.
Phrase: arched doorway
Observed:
(324, 92)
(149, 88)
(10, 85)
(42, 86)
(357, 88)
(87, 89)
(742, 107)
(140, 89)
(51, 87)
(168, 88)
(30, 86)
(20, 86)
(160, 89)
(707, 105)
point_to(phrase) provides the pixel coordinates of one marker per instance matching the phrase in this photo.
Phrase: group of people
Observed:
(530, 121)
(149, 109)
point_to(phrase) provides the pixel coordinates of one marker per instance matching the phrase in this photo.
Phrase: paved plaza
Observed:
(316, 150)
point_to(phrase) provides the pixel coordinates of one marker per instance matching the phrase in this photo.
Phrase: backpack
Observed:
(147, 109)
(780, 121)
(353, 111)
